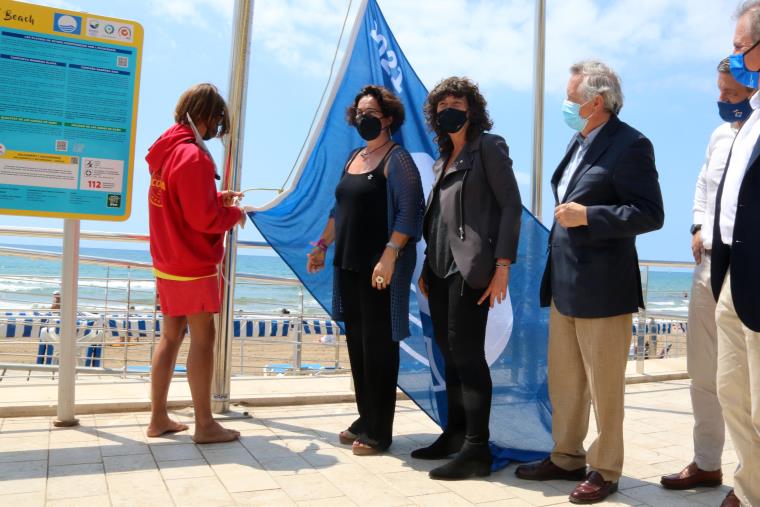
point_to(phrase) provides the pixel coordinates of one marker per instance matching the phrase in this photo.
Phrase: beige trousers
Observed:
(739, 393)
(587, 360)
(702, 364)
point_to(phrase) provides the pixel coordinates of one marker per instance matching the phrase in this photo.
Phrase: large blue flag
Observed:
(517, 329)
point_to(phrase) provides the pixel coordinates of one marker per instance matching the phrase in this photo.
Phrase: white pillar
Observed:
(68, 336)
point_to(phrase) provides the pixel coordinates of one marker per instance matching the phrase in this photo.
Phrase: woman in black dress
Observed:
(375, 224)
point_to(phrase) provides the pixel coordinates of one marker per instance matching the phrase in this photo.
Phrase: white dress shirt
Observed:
(709, 180)
(575, 160)
(737, 167)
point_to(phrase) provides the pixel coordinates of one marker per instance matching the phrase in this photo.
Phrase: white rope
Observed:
(322, 98)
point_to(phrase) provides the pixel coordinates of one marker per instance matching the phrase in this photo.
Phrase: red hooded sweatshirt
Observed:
(187, 217)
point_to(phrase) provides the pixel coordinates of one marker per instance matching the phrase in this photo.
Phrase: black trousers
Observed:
(459, 324)
(373, 354)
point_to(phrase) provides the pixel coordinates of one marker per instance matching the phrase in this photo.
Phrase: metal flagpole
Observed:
(68, 337)
(538, 107)
(233, 157)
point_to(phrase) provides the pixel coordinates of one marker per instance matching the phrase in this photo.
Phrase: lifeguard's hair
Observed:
(390, 105)
(599, 79)
(203, 103)
(477, 114)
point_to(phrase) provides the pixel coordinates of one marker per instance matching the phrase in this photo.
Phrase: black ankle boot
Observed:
(444, 446)
(473, 461)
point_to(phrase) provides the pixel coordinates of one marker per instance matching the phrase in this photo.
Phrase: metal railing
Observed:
(112, 307)
(659, 334)
(127, 295)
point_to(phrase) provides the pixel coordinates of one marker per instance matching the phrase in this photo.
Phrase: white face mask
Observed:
(199, 140)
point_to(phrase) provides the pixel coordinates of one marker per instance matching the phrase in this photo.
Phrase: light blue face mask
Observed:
(740, 71)
(571, 112)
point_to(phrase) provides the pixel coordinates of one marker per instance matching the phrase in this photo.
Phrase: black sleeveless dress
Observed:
(361, 218)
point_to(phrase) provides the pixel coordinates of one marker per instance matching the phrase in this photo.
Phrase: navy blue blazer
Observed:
(742, 257)
(593, 271)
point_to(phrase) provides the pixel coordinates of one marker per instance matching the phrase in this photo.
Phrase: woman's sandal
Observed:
(346, 437)
(365, 448)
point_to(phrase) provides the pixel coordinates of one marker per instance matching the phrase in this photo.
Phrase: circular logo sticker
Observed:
(109, 29)
(67, 24)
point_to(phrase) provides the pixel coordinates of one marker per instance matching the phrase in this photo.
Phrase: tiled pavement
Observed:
(289, 456)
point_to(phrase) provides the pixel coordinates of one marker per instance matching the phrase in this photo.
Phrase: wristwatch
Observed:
(695, 229)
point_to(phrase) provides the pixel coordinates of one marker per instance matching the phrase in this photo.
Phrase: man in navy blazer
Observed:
(606, 192)
(735, 272)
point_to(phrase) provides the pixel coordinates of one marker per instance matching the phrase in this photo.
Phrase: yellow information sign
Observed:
(68, 112)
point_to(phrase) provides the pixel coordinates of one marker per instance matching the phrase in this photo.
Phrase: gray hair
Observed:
(599, 79)
(751, 7)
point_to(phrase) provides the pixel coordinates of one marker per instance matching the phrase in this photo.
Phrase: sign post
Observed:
(68, 116)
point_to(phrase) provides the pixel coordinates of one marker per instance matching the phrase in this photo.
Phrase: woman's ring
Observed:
(379, 280)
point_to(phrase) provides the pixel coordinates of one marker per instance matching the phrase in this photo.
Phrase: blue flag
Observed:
(516, 342)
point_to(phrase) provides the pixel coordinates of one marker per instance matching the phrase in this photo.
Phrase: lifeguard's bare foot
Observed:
(214, 432)
(164, 426)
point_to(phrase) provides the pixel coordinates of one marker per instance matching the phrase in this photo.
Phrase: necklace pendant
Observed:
(370, 176)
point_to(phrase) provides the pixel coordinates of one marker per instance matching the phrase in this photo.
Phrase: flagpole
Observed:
(538, 108)
(233, 158)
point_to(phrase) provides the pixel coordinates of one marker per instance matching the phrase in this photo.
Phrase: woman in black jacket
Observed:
(471, 226)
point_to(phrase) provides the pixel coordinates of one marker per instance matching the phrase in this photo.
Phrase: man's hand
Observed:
(571, 214)
(497, 289)
(697, 247)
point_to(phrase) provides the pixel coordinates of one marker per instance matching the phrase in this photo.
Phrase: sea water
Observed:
(27, 283)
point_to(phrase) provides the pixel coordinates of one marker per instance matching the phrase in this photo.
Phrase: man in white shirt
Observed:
(702, 342)
(735, 272)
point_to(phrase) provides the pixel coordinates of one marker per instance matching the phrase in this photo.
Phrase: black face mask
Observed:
(452, 120)
(369, 127)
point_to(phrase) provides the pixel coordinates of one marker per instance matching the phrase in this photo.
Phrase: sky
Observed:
(665, 51)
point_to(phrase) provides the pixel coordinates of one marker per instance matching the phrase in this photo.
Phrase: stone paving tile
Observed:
(307, 488)
(22, 477)
(130, 463)
(268, 498)
(414, 483)
(75, 481)
(74, 454)
(87, 501)
(36, 499)
(479, 491)
(185, 469)
(137, 489)
(290, 456)
(440, 500)
(175, 452)
(202, 491)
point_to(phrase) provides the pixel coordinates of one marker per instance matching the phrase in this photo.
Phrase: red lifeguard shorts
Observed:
(180, 298)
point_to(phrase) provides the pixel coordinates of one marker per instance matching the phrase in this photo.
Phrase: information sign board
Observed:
(69, 84)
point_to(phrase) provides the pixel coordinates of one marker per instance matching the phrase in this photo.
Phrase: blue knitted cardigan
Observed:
(406, 208)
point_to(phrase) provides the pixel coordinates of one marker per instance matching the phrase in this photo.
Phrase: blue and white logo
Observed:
(67, 23)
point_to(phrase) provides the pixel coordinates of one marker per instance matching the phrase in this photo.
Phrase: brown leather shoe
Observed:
(731, 500)
(546, 470)
(691, 477)
(594, 489)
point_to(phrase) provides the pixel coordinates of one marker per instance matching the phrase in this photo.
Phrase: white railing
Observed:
(119, 323)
